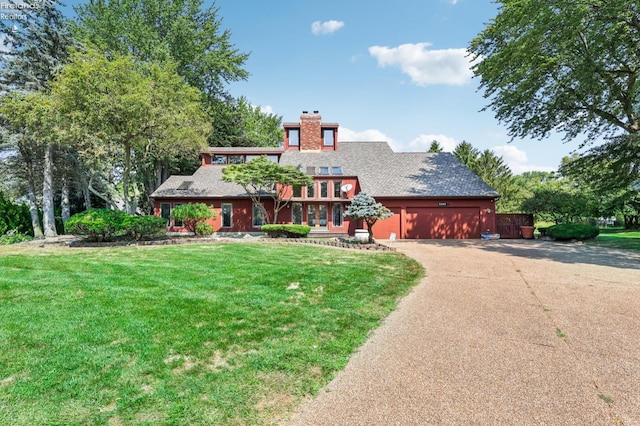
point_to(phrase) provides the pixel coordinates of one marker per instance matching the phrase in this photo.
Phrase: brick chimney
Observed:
(310, 131)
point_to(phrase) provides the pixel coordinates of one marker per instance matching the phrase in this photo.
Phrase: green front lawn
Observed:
(617, 238)
(231, 333)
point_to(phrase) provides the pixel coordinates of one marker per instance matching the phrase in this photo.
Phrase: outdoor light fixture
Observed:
(488, 210)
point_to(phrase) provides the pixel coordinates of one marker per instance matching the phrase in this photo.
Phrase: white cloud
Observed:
(327, 27)
(517, 160)
(425, 66)
(423, 142)
(267, 109)
(371, 135)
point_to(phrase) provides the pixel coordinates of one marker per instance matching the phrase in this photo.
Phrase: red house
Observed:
(432, 195)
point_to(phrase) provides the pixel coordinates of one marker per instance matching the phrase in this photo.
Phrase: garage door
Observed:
(440, 223)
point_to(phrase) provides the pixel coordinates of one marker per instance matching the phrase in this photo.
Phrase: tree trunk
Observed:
(31, 200)
(48, 215)
(65, 205)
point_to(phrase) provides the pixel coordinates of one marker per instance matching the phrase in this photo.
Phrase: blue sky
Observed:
(383, 70)
(393, 71)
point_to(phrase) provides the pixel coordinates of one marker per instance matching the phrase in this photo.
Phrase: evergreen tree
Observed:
(435, 147)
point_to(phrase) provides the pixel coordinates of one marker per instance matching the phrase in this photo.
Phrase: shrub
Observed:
(192, 214)
(13, 237)
(572, 231)
(98, 224)
(286, 231)
(140, 227)
(203, 228)
(14, 217)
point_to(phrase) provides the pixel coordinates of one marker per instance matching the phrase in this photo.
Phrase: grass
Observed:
(617, 238)
(204, 334)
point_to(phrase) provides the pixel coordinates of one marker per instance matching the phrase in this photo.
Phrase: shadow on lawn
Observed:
(557, 251)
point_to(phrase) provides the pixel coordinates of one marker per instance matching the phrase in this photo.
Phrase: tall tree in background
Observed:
(181, 31)
(31, 57)
(492, 169)
(243, 124)
(435, 147)
(564, 65)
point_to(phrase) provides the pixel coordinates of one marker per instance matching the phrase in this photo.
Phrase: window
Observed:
(324, 189)
(176, 222)
(336, 170)
(311, 215)
(296, 213)
(297, 191)
(311, 170)
(219, 159)
(327, 137)
(337, 189)
(323, 171)
(270, 157)
(165, 212)
(294, 137)
(226, 215)
(258, 216)
(337, 215)
(311, 191)
(236, 159)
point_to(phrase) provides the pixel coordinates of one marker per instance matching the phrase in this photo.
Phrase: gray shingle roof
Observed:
(380, 171)
(384, 173)
(207, 182)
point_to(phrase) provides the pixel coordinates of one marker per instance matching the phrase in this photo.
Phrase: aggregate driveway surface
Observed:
(499, 332)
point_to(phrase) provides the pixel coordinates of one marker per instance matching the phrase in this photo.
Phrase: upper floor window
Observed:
(297, 191)
(236, 159)
(336, 170)
(337, 189)
(294, 137)
(323, 170)
(311, 191)
(324, 189)
(219, 159)
(327, 137)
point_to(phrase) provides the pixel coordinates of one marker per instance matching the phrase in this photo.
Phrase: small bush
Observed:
(572, 231)
(286, 231)
(140, 227)
(98, 224)
(14, 237)
(203, 228)
(192, 214)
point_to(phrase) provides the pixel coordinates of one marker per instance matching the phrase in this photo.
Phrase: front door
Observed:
(317, 215)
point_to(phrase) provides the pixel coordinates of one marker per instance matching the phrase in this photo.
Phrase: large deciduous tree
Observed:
(123, 115)
(364, 207)
(261, 177)
(562, 65)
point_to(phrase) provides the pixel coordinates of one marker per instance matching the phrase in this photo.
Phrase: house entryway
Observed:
(317, 216)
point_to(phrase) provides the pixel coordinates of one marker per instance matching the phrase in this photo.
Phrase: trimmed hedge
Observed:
(572, 231)
(286, 231)
(107, 224)
(140, 227)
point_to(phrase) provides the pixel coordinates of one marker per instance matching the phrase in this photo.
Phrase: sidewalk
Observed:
(499, 332)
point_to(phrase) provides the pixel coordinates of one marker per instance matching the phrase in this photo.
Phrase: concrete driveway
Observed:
(499, 332)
